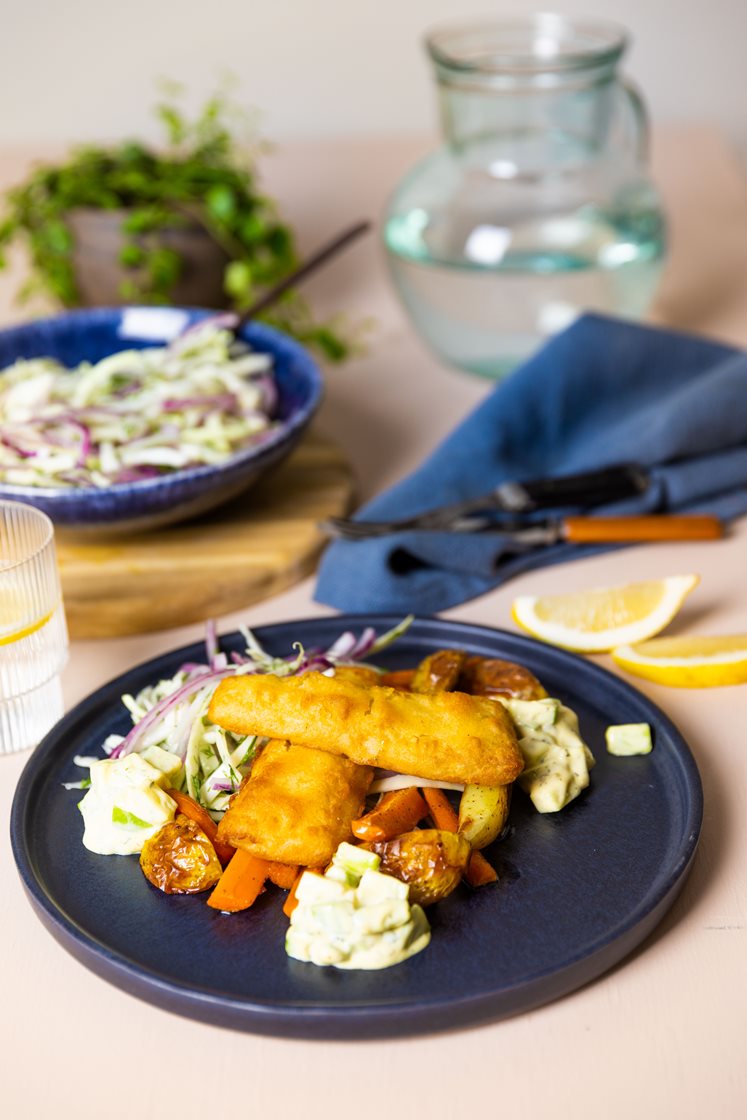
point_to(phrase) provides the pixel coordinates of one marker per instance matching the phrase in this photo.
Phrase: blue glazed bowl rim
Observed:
(286, 428)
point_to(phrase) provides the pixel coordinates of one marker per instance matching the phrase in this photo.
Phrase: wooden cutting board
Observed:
(254, 547)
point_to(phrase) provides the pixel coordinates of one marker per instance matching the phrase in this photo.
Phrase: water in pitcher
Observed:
(485, 295)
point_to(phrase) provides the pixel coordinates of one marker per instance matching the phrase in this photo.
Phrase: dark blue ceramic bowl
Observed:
(129, 507)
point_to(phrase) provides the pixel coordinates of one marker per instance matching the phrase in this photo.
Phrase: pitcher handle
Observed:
(640, 119)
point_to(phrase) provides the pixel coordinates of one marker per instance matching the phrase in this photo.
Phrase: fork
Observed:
(473, 514)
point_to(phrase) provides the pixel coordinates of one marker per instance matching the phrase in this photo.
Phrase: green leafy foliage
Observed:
(205, 173)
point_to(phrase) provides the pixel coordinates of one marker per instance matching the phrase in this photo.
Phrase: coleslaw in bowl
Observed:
(117, 420)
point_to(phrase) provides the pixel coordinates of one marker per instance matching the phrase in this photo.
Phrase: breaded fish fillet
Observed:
(296, 806)
(448, 736)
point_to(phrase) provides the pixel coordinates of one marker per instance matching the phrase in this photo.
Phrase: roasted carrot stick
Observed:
(396, 812)
(479, 872)
(187, 805)
(283, 875)
(398, 678)
(440, 809)
(240, 884)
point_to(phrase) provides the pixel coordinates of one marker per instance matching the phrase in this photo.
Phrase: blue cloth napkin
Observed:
(602, 392)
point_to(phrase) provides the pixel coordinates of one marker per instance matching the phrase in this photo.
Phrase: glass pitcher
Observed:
(538, 206)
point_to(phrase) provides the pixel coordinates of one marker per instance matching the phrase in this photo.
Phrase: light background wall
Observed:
(80, 69)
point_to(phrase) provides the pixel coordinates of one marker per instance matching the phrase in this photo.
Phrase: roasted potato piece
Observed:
(439, 672)
(430, 860)
(447, 736)
(179, 858)
(490, 676)
(483, 812)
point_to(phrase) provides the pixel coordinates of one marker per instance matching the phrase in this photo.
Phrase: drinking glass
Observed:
(33, 632)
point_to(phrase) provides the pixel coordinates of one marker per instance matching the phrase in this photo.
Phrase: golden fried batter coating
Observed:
(448, 736)
(362, 674)
(296, 806)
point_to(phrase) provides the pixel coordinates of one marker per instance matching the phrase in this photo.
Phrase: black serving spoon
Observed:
(320, 257)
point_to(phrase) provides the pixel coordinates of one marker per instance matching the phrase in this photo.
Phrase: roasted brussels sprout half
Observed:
(430, 860)
(490, 676)
(179, 858)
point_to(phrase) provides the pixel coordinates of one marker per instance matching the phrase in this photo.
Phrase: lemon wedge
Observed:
(15, 623)
(604, 617)
(687, 662)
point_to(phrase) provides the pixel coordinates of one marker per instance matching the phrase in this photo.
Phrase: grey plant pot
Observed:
(98, 239)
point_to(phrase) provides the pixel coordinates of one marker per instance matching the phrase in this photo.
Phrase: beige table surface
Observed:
(660, 1036)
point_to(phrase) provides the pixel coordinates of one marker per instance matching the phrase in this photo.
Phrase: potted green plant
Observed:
(184, 223)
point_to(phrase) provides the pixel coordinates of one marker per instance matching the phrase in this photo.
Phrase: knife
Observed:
(585, 530)
(589, 489)
(616, 530)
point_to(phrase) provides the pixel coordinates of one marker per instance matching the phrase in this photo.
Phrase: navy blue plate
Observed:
(578, 890)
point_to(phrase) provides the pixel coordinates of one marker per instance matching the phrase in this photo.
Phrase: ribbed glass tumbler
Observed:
(33, 633)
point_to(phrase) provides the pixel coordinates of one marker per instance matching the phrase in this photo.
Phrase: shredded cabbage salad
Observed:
(172, 714)
(136, 414)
